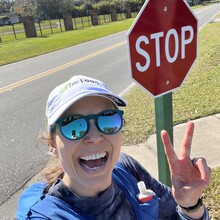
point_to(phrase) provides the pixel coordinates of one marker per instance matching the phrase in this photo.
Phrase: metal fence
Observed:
(16, 31)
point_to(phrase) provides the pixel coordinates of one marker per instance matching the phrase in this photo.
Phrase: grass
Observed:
(198, 97)
(24, 48)
(211, 195)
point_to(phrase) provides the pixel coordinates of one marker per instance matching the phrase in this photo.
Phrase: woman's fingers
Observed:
(205, 171)
(168, 148)
(187, 140)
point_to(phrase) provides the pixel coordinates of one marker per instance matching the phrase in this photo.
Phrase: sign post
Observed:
(164, 121)
(162, 44)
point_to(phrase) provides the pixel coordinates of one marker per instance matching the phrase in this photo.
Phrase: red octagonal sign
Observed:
(162, 45)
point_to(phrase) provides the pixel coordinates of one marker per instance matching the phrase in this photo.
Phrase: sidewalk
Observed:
(206, 143)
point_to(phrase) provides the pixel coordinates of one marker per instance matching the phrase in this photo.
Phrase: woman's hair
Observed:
(54, 169)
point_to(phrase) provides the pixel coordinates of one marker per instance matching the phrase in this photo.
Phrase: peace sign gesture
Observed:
(189, 177)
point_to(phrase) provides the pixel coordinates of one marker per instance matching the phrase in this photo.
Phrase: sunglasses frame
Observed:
(87, 119)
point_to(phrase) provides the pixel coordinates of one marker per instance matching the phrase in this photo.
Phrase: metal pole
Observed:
(164, 121)
(60, 25)
(51, 28)
(14, 31)
(40, 28)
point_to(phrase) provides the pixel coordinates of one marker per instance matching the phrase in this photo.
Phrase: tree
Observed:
(54, 8)
(5, 5)
(39, 8)
(135, 4)
(25, 7)
(103, 7)
(57, 8)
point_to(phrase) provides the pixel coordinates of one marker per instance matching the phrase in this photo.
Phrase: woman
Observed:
(97, 181)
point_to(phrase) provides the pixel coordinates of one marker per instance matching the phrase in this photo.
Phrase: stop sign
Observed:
(162, 45)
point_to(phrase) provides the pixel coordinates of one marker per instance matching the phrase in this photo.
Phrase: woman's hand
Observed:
(189, 177)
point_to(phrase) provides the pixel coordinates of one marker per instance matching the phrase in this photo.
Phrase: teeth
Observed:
(93, 156)
(90, 168)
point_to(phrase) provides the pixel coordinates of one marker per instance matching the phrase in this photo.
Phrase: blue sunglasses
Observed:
(74, 127)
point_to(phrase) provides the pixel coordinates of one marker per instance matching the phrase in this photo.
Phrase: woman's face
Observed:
(89, 161)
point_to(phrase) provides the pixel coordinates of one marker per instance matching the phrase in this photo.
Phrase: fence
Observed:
(16, 31)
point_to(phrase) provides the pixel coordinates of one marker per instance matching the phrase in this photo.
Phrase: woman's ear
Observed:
(52, 147)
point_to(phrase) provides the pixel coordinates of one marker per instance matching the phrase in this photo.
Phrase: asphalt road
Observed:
(24, 87)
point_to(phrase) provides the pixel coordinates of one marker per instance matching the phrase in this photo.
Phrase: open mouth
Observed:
(93, 161)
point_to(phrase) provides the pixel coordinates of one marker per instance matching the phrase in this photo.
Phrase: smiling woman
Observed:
(94, 180)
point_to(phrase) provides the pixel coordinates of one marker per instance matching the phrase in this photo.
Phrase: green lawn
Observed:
(212, 195)
(16, 50)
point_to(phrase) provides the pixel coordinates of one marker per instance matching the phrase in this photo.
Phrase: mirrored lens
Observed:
(109, 122)
(74, 127)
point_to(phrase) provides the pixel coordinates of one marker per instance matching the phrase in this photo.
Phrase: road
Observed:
(24, 87)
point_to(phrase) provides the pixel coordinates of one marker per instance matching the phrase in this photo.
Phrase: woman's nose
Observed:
(93, 135)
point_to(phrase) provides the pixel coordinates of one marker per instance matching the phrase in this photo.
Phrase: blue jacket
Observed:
(118, 202)
(34, 204)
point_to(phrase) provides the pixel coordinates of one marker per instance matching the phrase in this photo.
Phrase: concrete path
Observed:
(206, 143)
